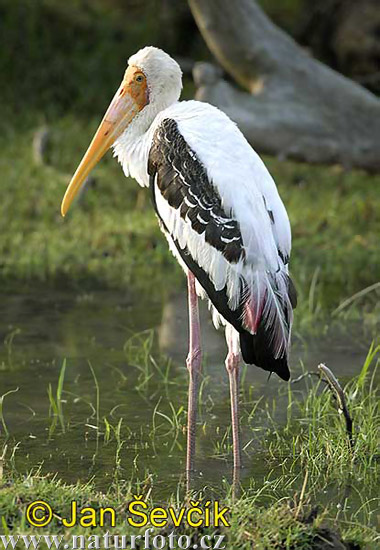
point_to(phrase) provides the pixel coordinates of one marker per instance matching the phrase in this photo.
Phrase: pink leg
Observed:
(232, 366)
(193, 363)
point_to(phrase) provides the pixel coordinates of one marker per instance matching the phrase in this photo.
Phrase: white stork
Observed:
(219, 209)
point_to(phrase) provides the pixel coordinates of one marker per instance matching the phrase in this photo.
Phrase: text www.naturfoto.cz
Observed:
(134, 542)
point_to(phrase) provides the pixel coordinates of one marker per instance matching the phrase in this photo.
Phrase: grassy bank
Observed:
(285, 525)
(314, 490)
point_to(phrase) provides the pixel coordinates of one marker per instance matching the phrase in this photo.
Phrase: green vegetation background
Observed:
(60, 63)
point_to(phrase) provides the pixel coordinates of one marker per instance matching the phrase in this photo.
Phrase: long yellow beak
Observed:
(122, 110)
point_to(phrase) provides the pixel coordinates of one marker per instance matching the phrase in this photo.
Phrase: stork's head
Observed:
(152, 82)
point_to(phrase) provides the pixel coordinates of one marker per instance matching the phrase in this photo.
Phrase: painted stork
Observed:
(220, 211)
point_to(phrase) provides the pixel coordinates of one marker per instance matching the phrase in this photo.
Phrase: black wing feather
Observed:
(182, 180)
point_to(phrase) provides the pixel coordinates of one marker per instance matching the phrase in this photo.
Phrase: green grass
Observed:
(334, 226)
(109, 245)
(2, 420)
(313, 484)
(55, 409)
(285, 525)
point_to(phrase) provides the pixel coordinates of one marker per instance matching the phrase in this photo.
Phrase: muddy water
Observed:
(42, 329)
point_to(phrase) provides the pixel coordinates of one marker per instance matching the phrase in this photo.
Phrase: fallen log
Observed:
(296, 107)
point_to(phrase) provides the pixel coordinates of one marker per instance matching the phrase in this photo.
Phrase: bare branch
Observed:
(340, 397)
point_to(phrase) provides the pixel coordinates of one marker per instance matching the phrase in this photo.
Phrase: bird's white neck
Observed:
(132, 147)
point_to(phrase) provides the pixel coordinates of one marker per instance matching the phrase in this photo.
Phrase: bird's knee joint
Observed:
(232, 363)
(193, 360)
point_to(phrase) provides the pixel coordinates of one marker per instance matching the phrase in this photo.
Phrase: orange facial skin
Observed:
(135, 84)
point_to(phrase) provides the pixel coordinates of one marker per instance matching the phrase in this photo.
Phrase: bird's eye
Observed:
(139, 78)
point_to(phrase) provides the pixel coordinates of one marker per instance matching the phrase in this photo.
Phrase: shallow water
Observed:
(42, 329)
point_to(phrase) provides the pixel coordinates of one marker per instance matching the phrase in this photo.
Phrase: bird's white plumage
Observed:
(234, 168)
(242, 181)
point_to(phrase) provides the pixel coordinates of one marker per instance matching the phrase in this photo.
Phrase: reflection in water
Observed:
(134, 427)
(346, 361)
(174, 329)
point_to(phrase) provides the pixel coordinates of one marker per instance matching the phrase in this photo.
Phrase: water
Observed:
(141, 405)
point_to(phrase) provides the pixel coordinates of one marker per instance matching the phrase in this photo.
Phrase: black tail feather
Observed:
(256, 350)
